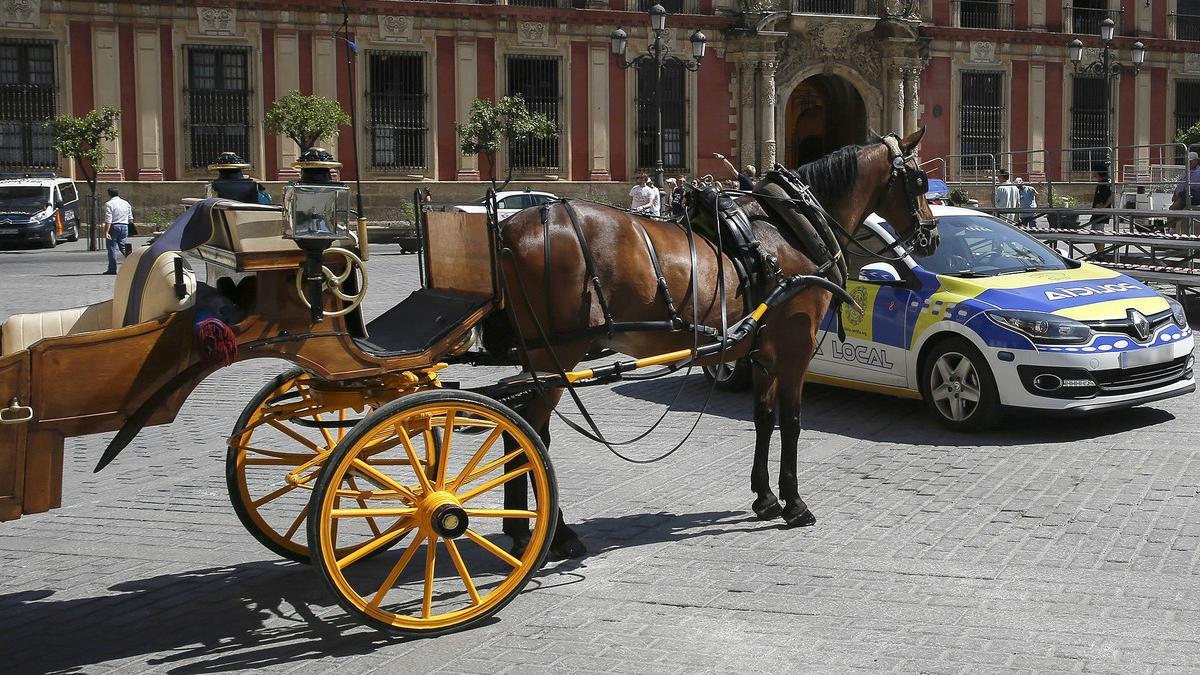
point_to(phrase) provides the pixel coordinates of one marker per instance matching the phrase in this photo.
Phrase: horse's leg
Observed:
(795, 512)
(766, 504)
(566, 543)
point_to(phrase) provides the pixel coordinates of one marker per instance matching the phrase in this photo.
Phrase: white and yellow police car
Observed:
(994, 320)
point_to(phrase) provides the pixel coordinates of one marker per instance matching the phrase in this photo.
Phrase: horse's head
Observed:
(902, 203)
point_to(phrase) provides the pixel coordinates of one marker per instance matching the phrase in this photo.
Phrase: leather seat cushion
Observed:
(22, 330)
(158, 297)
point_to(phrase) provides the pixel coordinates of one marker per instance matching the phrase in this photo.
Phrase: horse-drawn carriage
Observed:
(360, 448)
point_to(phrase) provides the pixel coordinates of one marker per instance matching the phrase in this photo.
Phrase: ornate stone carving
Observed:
(759, 6)
(912, 82)
(395, 28)
(532, 33)
(20, 12)
(217, 20)
(1191, 62)
(768, 155)
(768, 71)
(831, 42)
(746, 74)
(983, 52)
(899, 93)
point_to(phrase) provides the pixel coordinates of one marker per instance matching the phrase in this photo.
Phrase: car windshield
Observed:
(982, 246)
(23, 198)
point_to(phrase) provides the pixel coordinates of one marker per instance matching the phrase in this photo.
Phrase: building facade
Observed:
(783, 80)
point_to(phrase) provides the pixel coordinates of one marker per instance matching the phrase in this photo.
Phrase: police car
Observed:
(994, 320)
(38, 208)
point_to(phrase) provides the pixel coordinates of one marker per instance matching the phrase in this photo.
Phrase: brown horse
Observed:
(548, 290)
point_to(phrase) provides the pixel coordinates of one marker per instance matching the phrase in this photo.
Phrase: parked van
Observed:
(38, 208)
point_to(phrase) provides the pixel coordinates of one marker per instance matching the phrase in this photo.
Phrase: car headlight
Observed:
(1177, 313)
(1042, 327)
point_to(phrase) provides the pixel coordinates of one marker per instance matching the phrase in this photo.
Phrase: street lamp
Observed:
(660, 54)
(1107, 67)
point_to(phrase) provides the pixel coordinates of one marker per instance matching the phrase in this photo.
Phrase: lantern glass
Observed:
(316, 212)
(658, 17)
(619, 41)
(1138, 53)
(699, 40)
(1107, 27)
(1075, 51)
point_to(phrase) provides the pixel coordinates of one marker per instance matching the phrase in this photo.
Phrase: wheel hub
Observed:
(441, 513)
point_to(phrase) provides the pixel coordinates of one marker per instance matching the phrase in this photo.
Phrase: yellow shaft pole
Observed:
(362, 239)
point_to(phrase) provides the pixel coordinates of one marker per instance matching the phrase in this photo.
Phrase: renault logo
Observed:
(1140, 324)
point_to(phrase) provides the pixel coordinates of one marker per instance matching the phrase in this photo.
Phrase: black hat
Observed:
(317, 158)
(228, 160)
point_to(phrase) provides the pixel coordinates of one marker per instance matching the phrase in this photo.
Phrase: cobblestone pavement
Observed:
(1049, 545)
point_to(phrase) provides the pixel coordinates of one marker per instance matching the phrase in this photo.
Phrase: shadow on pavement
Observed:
(206, 620)
(877, 417)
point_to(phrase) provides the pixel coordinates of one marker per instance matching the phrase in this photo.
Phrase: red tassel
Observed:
(216, 342)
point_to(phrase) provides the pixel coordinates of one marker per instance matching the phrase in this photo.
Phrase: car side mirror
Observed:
(879, 272)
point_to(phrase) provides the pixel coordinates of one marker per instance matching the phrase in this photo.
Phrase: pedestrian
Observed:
(643, 195)
(1007, 196)
(1028, 200)
(118, 214)
(745, 177)
(1102, 198)
(264, 197)
(677, 193)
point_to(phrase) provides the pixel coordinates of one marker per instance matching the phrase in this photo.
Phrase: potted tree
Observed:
(306, 119)
(491, 124)
(82, 139)
(1063, 220)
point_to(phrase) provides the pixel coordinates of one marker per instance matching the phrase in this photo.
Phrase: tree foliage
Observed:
(305, 119)
(491, 124)
(1189, 136)
(82, 139)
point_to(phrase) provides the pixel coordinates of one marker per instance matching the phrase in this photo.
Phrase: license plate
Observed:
(8, 230)
(1145, 357)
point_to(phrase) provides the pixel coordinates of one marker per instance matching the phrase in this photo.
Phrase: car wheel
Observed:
(51, 239)
(74, 234)
(733, 376)
(958, 387)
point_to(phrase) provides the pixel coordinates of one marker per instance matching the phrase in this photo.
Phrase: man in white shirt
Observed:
(643, 197)
(118, 214)
(1007, 195)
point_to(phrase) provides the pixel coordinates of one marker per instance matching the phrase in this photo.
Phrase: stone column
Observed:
(465, 80)
(1037, 116)
(746, 74)
(896, 105)
(912, 103)
(106, 82)
(149, 95)
(598, 64)
(767, 111)
(287, 80)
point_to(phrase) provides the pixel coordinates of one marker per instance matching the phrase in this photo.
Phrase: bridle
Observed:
(923, 237)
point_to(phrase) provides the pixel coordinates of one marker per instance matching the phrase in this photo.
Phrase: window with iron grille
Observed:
(981, 119)
(27, 102)
(1187, 20)
(672, 6)
(396, 109)
(218, 103)
(535, 78)
(1187, 104)
(1086, 16)
(1089, 122)
(674, 115)
(852, 7)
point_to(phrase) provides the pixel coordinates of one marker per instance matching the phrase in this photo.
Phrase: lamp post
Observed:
(1107, 67)
(660, 54)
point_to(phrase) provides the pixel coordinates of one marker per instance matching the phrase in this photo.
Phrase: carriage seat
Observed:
(21, 331)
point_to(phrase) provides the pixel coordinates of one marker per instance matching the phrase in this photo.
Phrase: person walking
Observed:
(643, 196)
(1102, 198)
(1028, 199)
(1007, 196)
(1181, 200)
(118, 214)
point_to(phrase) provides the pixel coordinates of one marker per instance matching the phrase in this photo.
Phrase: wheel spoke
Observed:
(475, 459)
(372, 513)
(430, 565)
(462, 571)
(495, 482)
(500, 513)
(412, 457)
(277, 454)
(374, 545)
(296, 523)
(956, 411)
(341, 432)
(329, 442)
(963, 369)
(941, 393)
(363, 504)
(274, 495)
(370, 473)
(490, 467)
(492, 548)
(970, 393)
(397, 570)
(297, 437)
(943, 369)
(444, 450)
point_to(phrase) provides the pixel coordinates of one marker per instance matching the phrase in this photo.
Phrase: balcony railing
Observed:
(1185, 26)
(844, 7)
(983, 14)
(1086, 20)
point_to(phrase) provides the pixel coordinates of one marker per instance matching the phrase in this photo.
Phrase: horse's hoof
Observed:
(767, 509)
(520, 543)
(799, 516)
(566, 548)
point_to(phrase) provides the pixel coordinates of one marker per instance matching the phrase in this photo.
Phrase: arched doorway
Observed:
(824, 113)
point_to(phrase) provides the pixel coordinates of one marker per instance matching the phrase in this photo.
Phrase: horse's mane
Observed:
(833, 175)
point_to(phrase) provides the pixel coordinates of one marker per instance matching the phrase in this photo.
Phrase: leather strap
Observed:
(663, 289)
(589, 264)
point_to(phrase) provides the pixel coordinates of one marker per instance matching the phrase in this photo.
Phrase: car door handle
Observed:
(15, 413)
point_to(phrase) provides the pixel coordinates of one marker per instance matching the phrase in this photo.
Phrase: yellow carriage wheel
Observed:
(450, 569)
(278, 446)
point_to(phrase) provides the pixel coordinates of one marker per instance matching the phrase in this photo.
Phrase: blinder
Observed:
(924, 237)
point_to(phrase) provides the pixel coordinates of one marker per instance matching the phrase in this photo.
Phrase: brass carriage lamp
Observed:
(316, 214)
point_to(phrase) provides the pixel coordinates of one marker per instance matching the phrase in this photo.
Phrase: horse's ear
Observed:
(874, 137)
(910, 142)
